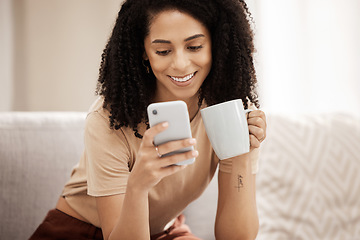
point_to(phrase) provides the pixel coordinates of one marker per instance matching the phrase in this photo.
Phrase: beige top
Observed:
(109, 156)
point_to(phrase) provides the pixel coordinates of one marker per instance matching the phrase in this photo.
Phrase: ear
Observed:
(145, 57)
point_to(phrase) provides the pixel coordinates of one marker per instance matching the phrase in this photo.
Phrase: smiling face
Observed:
(179, 50)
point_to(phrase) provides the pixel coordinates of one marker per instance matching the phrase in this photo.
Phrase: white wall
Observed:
(57, 52)
(6, 56)
(308, 55)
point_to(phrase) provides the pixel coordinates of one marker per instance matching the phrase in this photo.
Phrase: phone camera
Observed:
(154, 112)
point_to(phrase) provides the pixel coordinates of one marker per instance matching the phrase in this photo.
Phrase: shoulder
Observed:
(97, 108)
(97, 126)
(97, 123)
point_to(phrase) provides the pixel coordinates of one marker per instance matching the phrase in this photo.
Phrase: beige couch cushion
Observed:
(37, 153)
(309, 181)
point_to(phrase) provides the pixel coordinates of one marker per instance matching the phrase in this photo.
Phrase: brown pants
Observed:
(58, 225)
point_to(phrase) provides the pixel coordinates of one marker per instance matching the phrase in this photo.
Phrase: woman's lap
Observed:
(58, 225)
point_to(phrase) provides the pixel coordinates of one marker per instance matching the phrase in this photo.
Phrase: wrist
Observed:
(136, 195)
(242, 161)
(135, 188)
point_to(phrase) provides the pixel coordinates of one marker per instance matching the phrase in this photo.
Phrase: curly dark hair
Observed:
(128, 89)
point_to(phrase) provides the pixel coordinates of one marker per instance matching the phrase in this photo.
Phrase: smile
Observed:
(184, 79)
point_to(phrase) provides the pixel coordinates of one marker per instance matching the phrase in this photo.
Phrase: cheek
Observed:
(205, 60)
(159, 65)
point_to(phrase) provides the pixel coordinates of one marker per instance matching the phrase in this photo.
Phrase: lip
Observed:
(185, 83)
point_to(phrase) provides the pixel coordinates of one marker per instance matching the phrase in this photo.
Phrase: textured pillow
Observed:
(308, 185)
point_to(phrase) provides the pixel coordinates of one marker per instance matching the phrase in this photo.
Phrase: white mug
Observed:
(227, 128)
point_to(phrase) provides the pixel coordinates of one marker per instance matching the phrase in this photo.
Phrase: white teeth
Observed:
(184, 79)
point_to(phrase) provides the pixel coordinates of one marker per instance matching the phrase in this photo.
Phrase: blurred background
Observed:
(308, 56)
(307, 60)
(51, 52)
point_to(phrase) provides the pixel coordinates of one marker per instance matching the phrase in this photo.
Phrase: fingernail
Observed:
(195, 153)
(165, 124)
(192, 141)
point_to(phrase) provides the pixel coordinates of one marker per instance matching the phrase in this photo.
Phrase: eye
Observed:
(163, 53)
(195, 48)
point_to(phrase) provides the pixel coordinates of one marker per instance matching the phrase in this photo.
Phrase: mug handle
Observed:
(247, 111)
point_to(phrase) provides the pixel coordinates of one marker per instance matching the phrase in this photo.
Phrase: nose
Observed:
(180, 61)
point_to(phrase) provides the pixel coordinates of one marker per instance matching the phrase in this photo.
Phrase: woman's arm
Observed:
(236, 216)
(126, 216)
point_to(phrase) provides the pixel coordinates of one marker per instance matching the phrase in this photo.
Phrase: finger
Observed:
(179, 157)
(169, 170)
(149, 134)
(254, 142)
(257, 113)
(257, 121)
(158, 152)
(257, 132)
(176, 145)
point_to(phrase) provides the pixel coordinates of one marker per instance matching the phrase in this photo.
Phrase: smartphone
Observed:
(176, 114)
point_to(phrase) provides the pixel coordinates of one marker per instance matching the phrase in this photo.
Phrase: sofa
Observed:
(308, 184)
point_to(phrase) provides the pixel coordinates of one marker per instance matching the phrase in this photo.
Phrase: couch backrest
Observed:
(37, 153)
(309, 178)
(307, 186)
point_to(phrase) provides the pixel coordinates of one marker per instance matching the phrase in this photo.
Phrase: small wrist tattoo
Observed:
(239, 183)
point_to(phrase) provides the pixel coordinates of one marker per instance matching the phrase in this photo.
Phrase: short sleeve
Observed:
(107, 157)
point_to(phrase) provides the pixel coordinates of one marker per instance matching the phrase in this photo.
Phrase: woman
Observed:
(198, 51)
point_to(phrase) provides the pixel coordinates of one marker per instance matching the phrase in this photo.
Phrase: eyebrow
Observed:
(186, 39)
(193, 37)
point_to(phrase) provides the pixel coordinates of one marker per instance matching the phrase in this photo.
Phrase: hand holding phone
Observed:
(176, 114)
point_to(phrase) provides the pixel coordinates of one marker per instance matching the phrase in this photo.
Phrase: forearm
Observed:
(237, 213)
(133, 222)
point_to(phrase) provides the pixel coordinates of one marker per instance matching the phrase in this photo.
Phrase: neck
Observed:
(193, 108)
